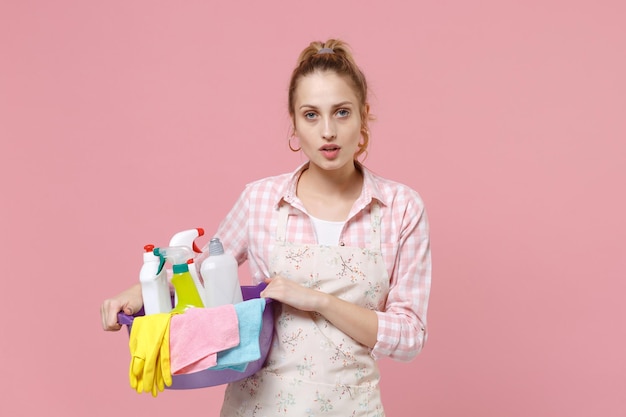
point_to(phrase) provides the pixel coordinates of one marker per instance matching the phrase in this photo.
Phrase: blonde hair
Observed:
(333, 55)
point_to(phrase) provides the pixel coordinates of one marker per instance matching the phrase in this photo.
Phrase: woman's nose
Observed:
(329, 132)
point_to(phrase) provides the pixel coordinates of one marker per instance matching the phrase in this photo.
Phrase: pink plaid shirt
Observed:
(249, 231)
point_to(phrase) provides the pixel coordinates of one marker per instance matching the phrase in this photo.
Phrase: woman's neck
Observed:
(346, 182)
(329, 195)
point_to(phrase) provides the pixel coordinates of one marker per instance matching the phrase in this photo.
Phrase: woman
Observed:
(345, 251)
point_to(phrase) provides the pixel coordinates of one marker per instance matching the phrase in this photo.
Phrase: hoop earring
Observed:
(291, 147)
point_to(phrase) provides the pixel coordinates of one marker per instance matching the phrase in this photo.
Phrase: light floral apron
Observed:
(313, 368)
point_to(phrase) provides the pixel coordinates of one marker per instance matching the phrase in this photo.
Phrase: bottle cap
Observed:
(215, 247)
(180, 268)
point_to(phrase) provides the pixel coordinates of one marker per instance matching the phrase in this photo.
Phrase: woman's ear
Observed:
(293, 125)
(365, 116)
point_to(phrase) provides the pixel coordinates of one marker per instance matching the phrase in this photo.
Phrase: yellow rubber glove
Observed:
(158, 385)
(146, 339)
(164, 359)
(163, 373)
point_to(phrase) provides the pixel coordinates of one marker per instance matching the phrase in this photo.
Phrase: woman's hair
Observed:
(333, 55)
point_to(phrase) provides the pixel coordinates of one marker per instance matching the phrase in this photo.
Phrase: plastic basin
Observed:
(208, 377)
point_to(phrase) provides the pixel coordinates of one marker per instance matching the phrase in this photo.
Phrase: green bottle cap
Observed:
(179, 269)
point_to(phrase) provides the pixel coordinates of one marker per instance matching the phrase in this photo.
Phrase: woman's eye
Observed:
(343, 113)
(309, 115)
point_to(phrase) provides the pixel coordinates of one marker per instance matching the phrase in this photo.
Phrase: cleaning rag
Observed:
(250, 316)
(197, 335)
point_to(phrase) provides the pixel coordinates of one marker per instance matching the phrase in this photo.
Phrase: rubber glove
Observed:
(147, 336)
(163, 373)
(164, 359)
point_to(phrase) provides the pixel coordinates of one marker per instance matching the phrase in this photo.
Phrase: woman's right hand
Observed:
(128, 301)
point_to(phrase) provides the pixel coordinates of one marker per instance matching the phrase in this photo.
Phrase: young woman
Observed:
(344, 251)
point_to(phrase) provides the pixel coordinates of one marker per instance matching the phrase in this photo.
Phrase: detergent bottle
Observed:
(220, 274)
(186, 291)
(188, 238)
(155, 289)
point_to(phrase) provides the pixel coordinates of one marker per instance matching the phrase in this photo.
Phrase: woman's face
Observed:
(327, 120)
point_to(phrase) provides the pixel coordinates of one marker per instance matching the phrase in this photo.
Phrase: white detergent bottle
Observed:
(155, 288)
(220, 274)
(188, 238)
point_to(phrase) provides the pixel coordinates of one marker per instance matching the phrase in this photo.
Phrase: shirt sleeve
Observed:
(402, 325)
(233, 230)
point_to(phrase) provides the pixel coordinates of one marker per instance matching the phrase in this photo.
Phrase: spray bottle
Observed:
(220, 274)
(155, 289)
(186, 291)
(188, 238)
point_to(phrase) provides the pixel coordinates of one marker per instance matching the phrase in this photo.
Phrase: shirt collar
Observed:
(369, 192)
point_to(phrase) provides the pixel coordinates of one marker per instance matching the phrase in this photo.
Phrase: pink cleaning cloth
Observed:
(198, 334)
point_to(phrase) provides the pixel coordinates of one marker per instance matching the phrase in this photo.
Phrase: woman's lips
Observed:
(330, 151)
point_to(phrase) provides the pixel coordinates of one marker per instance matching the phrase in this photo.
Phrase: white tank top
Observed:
(328, 233)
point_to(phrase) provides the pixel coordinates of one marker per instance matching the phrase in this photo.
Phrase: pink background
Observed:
(123, 122)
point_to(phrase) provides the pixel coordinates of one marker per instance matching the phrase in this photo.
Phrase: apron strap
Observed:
(375, 219)
(281, 227)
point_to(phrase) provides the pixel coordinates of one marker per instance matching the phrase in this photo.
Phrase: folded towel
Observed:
(250, 317)
(198, 334)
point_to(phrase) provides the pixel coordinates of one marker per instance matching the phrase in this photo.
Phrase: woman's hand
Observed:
(128, 301)
(291, 293)
(357, 322)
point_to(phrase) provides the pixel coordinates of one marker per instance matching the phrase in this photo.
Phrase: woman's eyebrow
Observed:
(341, 104)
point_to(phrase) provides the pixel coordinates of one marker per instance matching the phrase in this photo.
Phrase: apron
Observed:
(314, 369)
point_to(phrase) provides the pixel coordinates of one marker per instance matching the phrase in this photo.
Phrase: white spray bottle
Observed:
(220, 274)
(188, 238)
(155, 289)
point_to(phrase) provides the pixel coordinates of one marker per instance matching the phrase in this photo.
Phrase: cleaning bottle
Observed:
(186, 291)
(155, 289)
(188, 238)
(220, 274)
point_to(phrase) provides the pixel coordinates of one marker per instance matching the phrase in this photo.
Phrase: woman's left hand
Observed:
(357, 322)
(291, 293)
